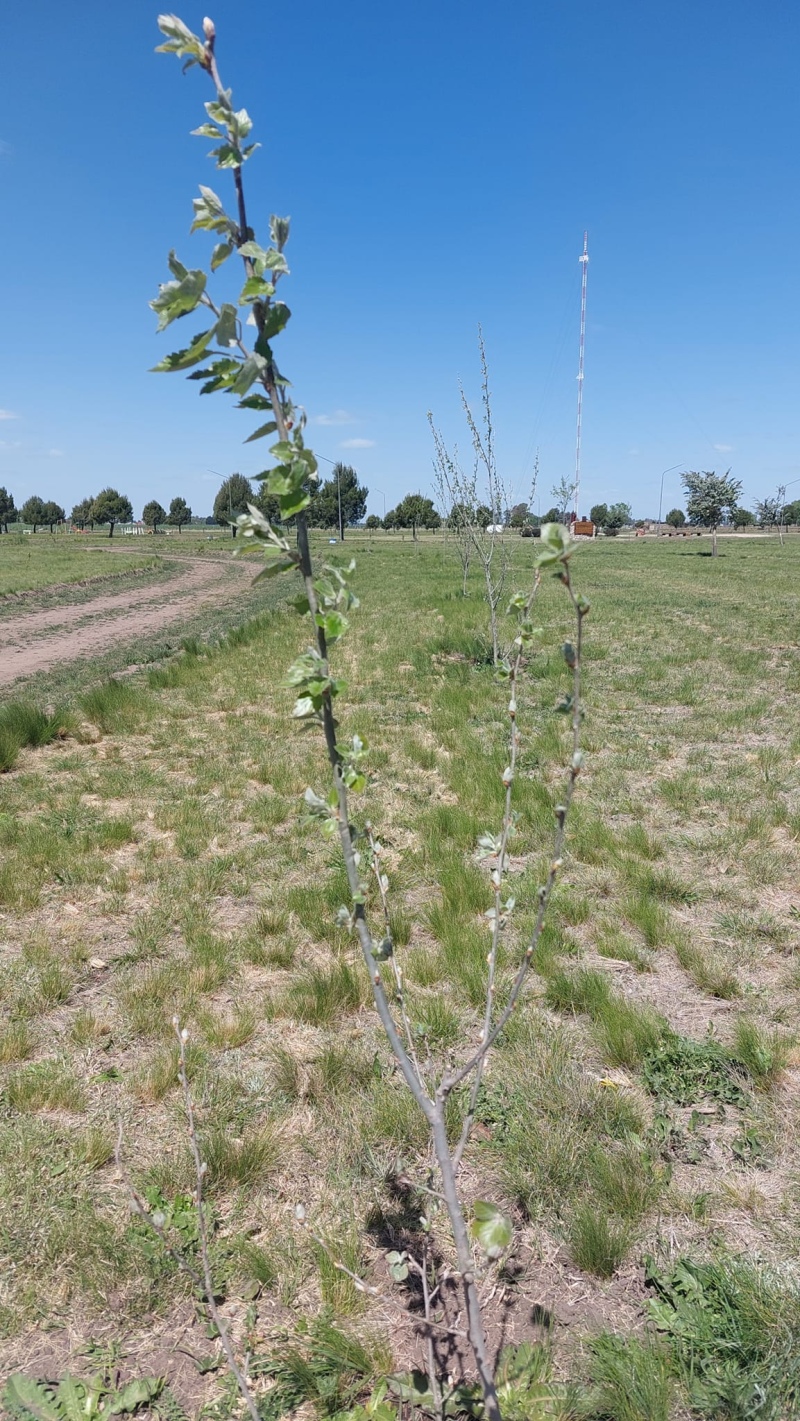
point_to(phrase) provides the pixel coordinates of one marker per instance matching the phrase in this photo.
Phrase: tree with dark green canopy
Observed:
(599, 515)
(111, 507)
(233, 497)
(343, 490)
(8, 513)
(268, 504)
(676, 518)
(153, 514)
(617, 516)
(179, 513)
(82, 512)
(33, 511)
(414, 511)
(53, 513)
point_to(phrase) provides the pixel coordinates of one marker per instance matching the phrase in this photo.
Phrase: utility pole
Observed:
(339, 495)
(584, 260)
(661, 494)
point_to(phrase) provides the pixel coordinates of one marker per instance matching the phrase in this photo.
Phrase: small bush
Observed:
(598, 1241)
(627, 1033)
(632, 1379)
(23, 725)
(583, 991)
(114, 706)
(764, 1053)
(322, 996)
(245, 1159)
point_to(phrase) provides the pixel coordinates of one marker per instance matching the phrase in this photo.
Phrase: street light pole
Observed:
(339, 496)
(782, 504)
(661, 494)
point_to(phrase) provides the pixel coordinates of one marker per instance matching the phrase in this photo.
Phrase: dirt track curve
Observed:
(36, 640)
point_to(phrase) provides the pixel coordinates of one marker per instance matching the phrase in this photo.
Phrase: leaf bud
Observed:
(208, 28)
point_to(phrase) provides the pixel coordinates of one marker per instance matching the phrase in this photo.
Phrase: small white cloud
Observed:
(8, 414)
(724, 448)
(357, 444)
(338, 417)
(56, 453)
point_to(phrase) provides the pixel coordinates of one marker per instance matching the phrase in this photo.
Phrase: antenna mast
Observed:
(584, 261)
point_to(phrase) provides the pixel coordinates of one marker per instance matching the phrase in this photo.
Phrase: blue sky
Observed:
(440, 163)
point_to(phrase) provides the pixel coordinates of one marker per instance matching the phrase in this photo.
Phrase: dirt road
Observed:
(35, 640)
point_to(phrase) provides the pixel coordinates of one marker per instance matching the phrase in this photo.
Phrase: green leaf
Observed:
(206, 130)
(177, 298)
(490, 1228)
(227, 156)
(210, 215)
(136, 1393)
(221, 109)
(75, 1403)
(271, 569)
(227, 325)
(180, 40)
(255, 288)
(185, 359)
(334, 624)
(29, 1400)
(255, 402)
(250, 371)
(277, 317)
(261, 431)
(279, 231)
(220, 254)
(242, 122)
(294, 503)
(176, 267)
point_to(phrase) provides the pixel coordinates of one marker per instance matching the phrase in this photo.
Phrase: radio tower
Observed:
(584, 261)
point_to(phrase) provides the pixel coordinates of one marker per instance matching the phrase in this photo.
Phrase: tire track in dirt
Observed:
(36, 640)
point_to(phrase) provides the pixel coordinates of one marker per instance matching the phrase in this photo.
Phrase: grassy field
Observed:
(44, 561)
(643, 1107)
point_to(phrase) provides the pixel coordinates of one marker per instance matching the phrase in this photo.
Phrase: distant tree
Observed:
(553, 515)
(709, 496)
(233, 497)
(768, 512)
(179, 513)
(33, 511)
(518, 515)
(619, 514)
(343, 484)
(563, 492)
(675, 518)
(53, 513)
(374, 522)
(599, 515)
(111, 507)
(268, 504)
(8, 513)
(743, 518)
(153, 514)
(82, 513)
(414, 512)
(791, 513)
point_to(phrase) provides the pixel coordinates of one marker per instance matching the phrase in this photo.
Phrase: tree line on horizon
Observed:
(340, 502)
(107, 508)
